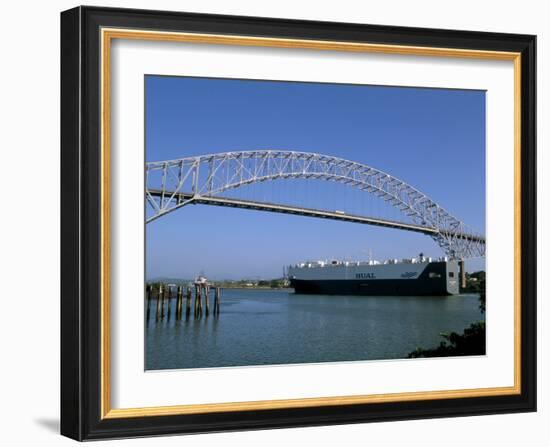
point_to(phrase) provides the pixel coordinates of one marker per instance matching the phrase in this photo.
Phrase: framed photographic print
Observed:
(277, 223)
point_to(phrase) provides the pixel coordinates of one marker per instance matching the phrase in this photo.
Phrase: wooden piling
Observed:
(206, 300)
(162, 302)
(148, 292)
(168, 298)
(159, 302)
(188, 303)
(217, 301)
(196, 309)
(197, 300)
(179, 302)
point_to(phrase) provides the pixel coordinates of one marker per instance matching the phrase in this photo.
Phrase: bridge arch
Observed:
(173, 184)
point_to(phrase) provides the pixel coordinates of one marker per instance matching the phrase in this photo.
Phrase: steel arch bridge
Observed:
(172, 184)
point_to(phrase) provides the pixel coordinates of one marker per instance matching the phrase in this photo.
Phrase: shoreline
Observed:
(256, 288)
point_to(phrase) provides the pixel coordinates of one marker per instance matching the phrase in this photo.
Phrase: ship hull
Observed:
(382, 287)
(435, 279)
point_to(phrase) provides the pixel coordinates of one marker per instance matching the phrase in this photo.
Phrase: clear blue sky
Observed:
(434, 139)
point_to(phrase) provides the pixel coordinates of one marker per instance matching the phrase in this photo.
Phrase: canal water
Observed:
(270, 327)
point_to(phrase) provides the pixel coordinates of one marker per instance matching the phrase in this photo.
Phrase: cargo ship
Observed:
(412, 276)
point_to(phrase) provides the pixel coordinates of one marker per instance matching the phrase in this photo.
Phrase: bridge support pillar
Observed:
(462, 274)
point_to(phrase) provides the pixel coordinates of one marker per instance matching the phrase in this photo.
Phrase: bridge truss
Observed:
(173, 184)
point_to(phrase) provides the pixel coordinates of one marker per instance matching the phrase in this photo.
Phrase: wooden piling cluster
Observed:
(164, 296)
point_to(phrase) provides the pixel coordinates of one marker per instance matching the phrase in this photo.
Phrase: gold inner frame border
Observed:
(107, 35)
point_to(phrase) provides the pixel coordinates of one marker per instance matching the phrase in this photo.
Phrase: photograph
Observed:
(296, 222)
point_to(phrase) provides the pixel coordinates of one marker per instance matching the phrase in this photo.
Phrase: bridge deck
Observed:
(286, 209)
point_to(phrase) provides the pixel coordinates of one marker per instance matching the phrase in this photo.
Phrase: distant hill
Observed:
(185, 282)
(177, 281)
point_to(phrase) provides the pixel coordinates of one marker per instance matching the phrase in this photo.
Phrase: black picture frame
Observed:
(81, 224)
